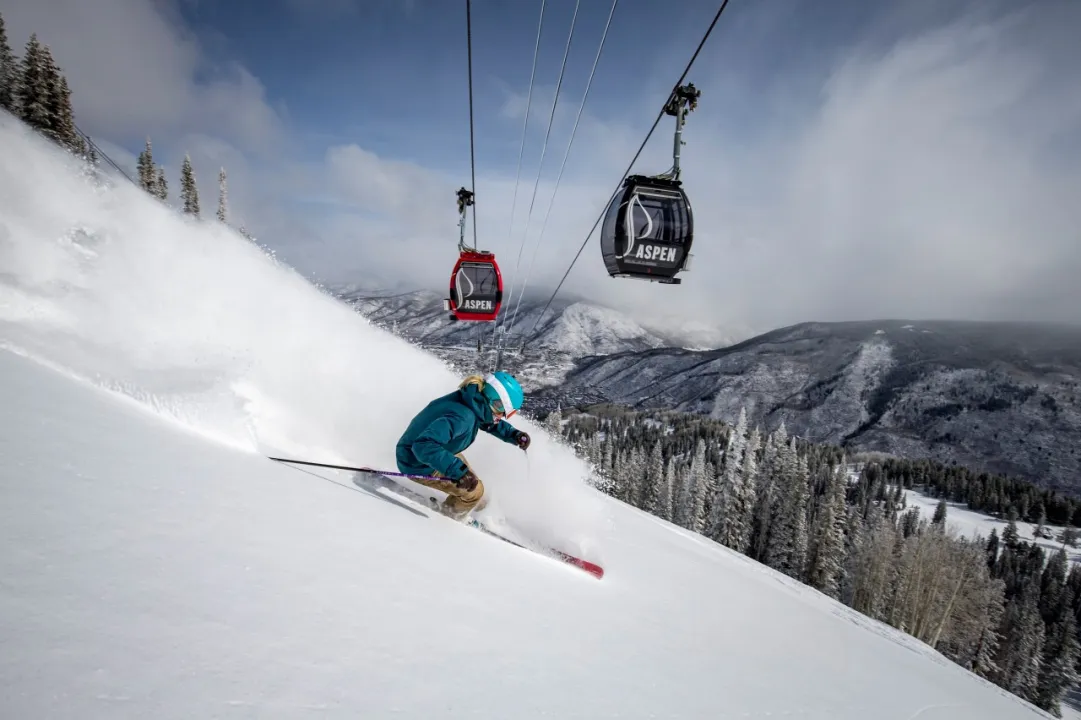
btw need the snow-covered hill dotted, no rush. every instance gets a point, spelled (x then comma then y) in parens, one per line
(155, 564)
(1003, 397)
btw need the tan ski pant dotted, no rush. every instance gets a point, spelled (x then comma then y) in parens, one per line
(459, 501)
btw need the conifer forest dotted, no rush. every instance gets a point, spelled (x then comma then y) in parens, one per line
(1003, 608)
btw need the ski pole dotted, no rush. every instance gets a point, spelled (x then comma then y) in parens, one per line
(357, 469)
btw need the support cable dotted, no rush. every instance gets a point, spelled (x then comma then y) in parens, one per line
(544, 149)
(559, 177)
(521, 151)
(661, 114)
(472, 155)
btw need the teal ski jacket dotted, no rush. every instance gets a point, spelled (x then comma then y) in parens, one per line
(447, 426)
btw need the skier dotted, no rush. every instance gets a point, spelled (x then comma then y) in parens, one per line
(435, 439)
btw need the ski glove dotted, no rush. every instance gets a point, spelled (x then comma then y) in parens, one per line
(521, 439)
(468, 482)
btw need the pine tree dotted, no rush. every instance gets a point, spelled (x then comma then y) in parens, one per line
(766, 494)
(992, 548)
(797, 561)
(1053, 587)
(1010, 536)
(827, 550)
(9, 73)
(701, 485)
(32, 90)
(161, 187)
(145, 168)
(940, 514)
(1057, 666)
(726, 523)
(1021, 649)
(222, 201)
(61, 114)
(1041, 529)
(656, 487)
(189, 193)
(666, 510)
(747, 500)
(787, 546)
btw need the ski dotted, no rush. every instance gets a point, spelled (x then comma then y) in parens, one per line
(432, 503)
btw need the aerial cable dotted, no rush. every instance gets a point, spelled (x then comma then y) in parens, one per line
(574, 130)
(521, 151)
(472, 154)
(544, 147)
(656, 122)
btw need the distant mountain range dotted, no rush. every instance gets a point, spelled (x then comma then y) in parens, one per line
(571, 329)
(1001, 397)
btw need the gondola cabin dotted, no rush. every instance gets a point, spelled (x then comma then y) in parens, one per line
(647, 230)
(476, 287)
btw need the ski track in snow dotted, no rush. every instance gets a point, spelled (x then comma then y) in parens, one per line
(155, 565)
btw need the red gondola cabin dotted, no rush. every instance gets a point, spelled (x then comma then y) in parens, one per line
(476, 287)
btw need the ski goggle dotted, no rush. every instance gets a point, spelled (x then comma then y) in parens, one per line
(497, 406)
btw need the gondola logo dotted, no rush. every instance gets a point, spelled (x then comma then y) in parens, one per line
(628, 225)
(646, 252)
(478, 305)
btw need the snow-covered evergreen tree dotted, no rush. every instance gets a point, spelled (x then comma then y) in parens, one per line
(683, 502)
(1021, 649)
(161, 186)
(787, 546)
(801, 498)
(9, 72)
(725, 523)
(669, 490)
(767, 491)
(1058, 664)
(145, 169)
(746, 501)
(61, 115)
(32, 88)
(655, 482)
(939, 517)
(222, 196)
(189, 193)
(701, 484)
(827, 549)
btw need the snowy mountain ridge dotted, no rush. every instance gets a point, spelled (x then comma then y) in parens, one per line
(1004, 397)
(571, 329)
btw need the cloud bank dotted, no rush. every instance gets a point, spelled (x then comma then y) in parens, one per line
(922, 168)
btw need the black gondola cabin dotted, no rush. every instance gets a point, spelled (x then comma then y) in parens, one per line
(647, 230)
(476, 287)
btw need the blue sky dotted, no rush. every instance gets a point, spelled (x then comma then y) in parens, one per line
(394, 74)
(847, 160)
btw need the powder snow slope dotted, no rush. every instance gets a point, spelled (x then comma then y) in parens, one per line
(154, 564)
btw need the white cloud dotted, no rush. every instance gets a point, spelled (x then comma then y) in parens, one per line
(933, 176)
(135, 69)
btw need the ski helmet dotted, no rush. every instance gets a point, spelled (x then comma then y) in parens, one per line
(503, 391)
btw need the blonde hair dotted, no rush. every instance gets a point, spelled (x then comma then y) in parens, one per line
(477, 380)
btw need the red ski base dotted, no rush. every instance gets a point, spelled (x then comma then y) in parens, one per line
(592, 568)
